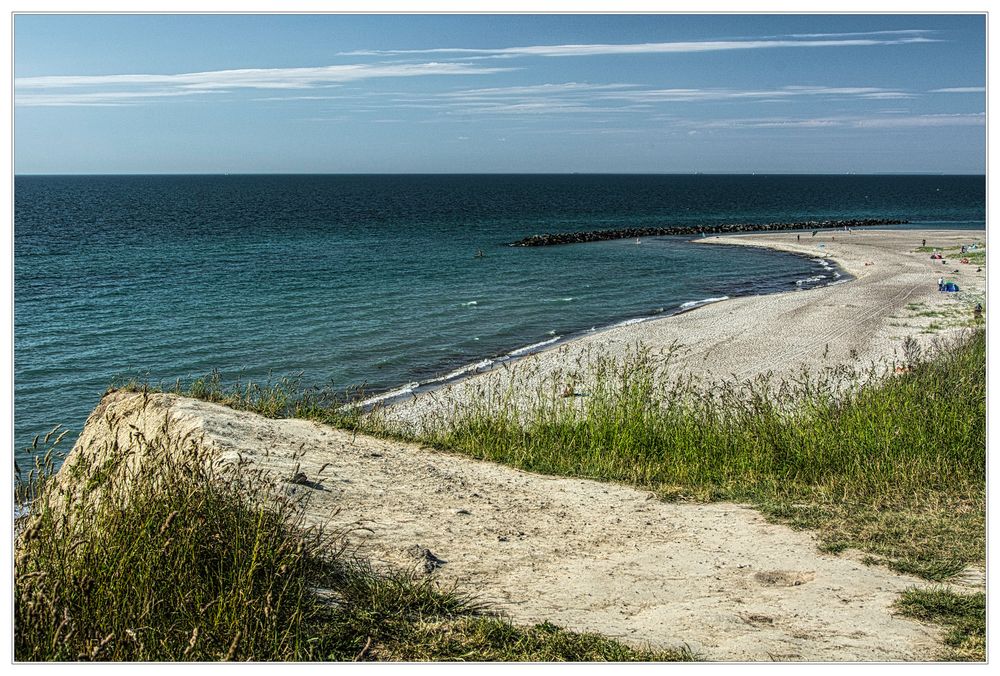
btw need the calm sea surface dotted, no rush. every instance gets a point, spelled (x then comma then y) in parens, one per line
(351, 280)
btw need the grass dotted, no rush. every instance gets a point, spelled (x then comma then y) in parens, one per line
(174, 559)
(894, 467)
(281, 398)
(975, 257)
(964, 616)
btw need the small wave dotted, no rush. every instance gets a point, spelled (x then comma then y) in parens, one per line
(531, 348)
(468, 368)
(630, 322)
(567, 299)
(703, 301)
(391, 394)
(471, 302)
(839, 281)
(550, 333)
(810, 280)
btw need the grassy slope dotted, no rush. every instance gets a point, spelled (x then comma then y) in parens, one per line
(182, 563)
(896, 468)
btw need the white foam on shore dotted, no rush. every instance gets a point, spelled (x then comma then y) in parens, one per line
(530, 348)
(391, 394)
(703, 301)
(628, 322)
(810, 280)
(469, 368)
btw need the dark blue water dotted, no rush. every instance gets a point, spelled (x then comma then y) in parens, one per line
(353, 280)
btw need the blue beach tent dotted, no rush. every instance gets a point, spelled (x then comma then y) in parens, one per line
(950, 287)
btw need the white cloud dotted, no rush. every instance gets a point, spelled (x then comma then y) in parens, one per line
(942, 120)
(911, 31)
(906, 37)
(135, 86)
(100, 98)
(781, 93)
(544, 89)
(959, 90)
(575, 97)
(855, 122)
(260, 78)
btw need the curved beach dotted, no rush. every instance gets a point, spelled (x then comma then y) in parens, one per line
(894, 295)
(603, 557)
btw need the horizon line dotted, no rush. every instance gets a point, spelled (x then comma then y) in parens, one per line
(508, 173)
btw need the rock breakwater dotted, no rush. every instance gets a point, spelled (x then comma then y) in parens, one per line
(695, 230)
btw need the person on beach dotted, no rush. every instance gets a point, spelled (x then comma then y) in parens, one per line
(798, 238)
(940, 283)
(923, 243)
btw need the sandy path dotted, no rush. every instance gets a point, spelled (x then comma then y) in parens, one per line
(585, 555)
(859, 322)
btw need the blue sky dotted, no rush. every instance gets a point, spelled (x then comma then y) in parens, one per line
(499, 93)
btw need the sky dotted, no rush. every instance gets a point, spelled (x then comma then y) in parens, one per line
(719, 93)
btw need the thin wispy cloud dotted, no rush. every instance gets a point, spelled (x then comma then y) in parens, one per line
(940, 120)
(905, 31)
(539, 89)
(680, 47)
(851, 122)
(959, 90)
(574, 97)
(136, 86)
(681, 95)
(101, 98)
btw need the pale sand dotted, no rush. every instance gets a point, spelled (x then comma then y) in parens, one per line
(585, 555)
(858, 322)
(602, 557)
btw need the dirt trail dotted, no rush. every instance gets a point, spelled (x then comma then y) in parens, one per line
(585, 555)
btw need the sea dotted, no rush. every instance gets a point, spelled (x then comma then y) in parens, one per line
(384, 284)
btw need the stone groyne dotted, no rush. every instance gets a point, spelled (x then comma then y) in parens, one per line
(693, 230)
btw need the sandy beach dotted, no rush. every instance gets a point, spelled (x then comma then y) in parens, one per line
(602, 557)
(863, 321)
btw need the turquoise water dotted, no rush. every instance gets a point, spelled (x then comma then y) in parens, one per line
(372, 280)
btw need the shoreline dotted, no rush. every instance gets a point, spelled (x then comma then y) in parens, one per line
(847, 321)
(486, 364)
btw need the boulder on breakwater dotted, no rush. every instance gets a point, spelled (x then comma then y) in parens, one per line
(694, 230)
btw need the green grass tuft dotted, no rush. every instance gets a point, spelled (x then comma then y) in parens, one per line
(964, 615)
